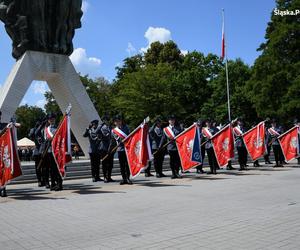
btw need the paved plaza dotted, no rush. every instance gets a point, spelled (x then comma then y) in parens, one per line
(255, 209)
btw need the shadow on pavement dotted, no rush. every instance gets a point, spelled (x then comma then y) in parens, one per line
(88, 189)
(158, 184)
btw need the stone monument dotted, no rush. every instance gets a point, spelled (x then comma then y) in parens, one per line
(42, 33)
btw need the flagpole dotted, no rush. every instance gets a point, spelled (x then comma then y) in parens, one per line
(226, 67)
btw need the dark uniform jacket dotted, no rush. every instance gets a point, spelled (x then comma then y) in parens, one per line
(273, 136)
(37, 141)
(239, 142)
(118, 140)
(94, 135)
(155, 134)
(172, 145)
(42, 135)
(105, 137)
(212, 130)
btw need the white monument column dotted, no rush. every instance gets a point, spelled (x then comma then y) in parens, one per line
(64, 83)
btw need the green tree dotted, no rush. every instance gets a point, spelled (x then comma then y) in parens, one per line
(274, 87)
(28, 116)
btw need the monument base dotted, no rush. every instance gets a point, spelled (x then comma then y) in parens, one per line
(64, 83)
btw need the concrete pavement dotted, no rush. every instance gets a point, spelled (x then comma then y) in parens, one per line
(255, 209)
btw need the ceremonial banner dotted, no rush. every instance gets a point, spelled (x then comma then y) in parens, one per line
(223, 144)
(138, 150)
(254, 140)
(289, 144)
(189, 147)
(10, 166)
(61, 145)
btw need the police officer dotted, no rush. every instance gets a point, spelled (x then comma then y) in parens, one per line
(120, 132)
(93, 132)
(2, 127)
(275, 131)
(105, 148)
(47, 131)
(203, 142)
(156, 134)
(267, 142)
(208, 131)
(36, 153)
(170, 132)
(238, 132)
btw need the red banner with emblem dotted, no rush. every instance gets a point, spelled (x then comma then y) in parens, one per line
(189, 148)
(223, 144)
(254, 140)
(289, 144)
(61, 145)
(138, 150)
(10, 166)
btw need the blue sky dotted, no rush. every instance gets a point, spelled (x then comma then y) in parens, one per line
(115, 29)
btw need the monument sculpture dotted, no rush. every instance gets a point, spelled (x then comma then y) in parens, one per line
(43, 25)
(42, 32)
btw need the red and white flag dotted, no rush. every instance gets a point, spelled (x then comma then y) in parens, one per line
(10, 166)
(289, 144)
(254, 140)
(61, 145)
(223, 39)
(189, 147)
(138, 150)
(223, 144)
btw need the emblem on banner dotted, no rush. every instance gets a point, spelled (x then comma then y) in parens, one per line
(225, 144)
(137, 148)
(258, 143)
(6, 157)
(293, 142)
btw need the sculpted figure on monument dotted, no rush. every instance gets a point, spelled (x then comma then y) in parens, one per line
(43, 25)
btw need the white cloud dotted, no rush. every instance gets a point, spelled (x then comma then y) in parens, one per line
(85, 6)
(85, 64)
(40, 87)
(158, 34)
(131, 50)
(41, 103)
(184, 52)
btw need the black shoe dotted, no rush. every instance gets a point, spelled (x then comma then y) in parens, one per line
(123, 182)
(229, 168)
(162, 175)
(54, 188)
(209, 172)
(179, 176)
(106, 180)
(3, 193)
(110, 179)
(94, 179)
(129, 182)
(148, 175)
(98, 179)
(40, 184)
(47, 185)
(174, 176)
(158, 176)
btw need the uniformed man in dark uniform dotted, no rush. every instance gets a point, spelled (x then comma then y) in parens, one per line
(47, 131)
(2, 127)
(93, 132)
(268, 143)
(104, 148)
(120, 132)
(156, 134)
(208, 131)
(169, 134)
(238, 132)
(36, 153)
(275, 131)
(203, 141)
